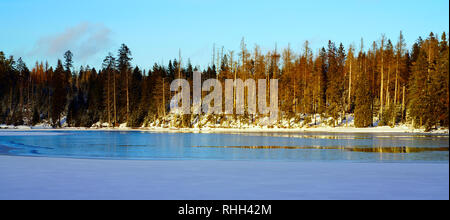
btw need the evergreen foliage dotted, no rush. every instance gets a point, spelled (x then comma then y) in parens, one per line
(409, 85)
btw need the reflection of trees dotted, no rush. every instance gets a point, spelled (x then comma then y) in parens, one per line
(403, 149)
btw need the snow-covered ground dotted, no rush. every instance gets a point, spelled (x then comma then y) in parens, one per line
(63, 178)
(227, 123)
(236, 126)
(381, 129)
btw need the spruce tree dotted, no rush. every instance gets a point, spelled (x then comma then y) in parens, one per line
(58, 98)
(363, 101)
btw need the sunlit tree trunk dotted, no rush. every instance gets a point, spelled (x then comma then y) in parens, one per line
(382, 79)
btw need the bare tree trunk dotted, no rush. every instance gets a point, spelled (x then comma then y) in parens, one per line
(350, 87)
(395, 94)
(164, 100)
(381, 92)
(108, 102)
(48, 101)
(114, 99)
(21, 94)
(304, 85)
(10, 100)
(396, 85)
(382, 87)
(295, 101)
(388, 98)
(29, 103)
(128, 97)
(234, 98)
(319, 98)
(403, 103)
(305, 76)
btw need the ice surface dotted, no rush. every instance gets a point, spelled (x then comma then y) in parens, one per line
(62, 178)
(31, 133)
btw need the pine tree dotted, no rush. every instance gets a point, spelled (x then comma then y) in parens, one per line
(68, 63)
(109, 68)
(406, 85)
(399, 68)
(363, 111)
(335, 89)
(124, 67)
(425, 84)
(58, 99)
(323, 81)
(442, 82)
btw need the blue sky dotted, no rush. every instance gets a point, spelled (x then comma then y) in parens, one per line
(155, 31)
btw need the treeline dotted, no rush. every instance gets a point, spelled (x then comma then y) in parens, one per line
(386, 84)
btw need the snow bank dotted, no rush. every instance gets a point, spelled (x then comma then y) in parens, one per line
(61, 178)
(226, 123)
(21, 127)
(24, 133)
(297, 123)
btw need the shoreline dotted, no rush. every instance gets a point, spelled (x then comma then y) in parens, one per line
(379, 130)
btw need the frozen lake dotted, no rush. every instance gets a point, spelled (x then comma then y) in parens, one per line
(145, 165)
(139, 145)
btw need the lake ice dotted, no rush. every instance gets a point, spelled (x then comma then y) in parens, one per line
(146, 165)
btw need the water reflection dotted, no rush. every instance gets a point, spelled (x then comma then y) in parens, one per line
(247, 146)
(344, 136)
(368, 149)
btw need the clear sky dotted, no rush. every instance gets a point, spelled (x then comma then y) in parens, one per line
(156, 30)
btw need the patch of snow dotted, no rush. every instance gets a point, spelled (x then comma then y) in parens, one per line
(42, 126)
(64, 122)
(24, 133)
(64, 178)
